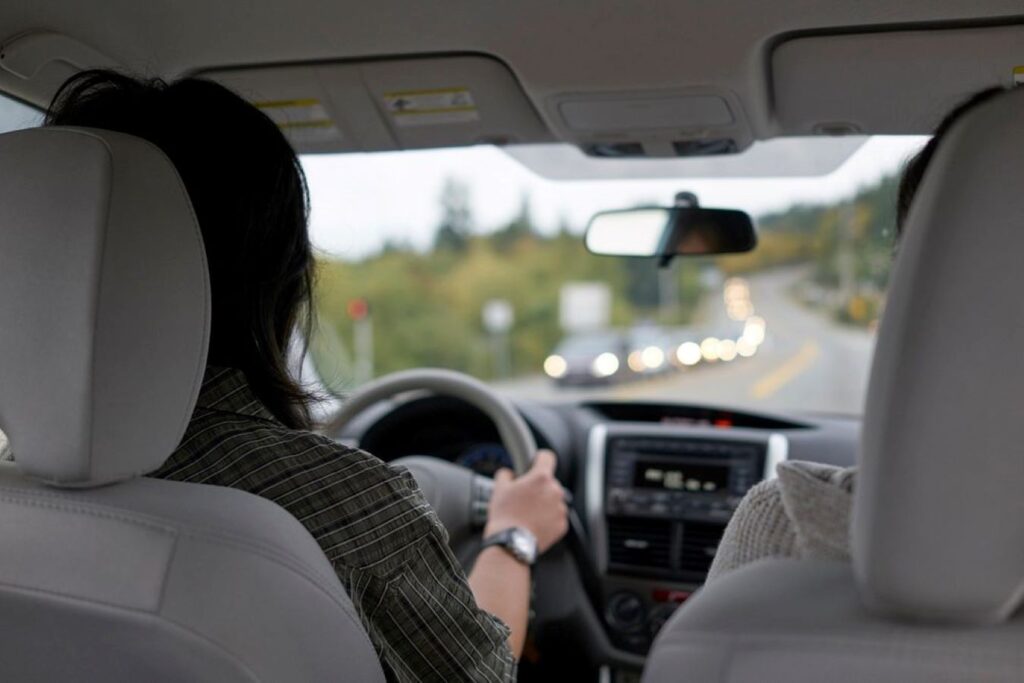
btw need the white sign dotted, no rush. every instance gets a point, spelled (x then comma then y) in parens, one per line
(585, 306)
(498, 316)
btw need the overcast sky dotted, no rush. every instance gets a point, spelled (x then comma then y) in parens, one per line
(361, 200)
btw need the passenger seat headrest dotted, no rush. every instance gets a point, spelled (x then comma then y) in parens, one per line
(938, 528)
(104, 305)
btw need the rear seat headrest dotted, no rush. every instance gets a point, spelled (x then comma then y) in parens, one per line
(104, 305)
(939, 505)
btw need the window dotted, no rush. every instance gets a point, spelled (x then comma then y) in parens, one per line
(465, 259)
(15, 115)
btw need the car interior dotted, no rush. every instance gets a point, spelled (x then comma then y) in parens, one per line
(660, 429)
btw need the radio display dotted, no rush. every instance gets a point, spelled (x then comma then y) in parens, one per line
(650, 474)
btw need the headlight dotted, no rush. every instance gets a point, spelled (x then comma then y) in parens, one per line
(709, 348)
(754, 329)
(727, 350)
(689, 353)
(745, 347)
(555, 366)
(605, 365)
(653, 357)
(635, 361)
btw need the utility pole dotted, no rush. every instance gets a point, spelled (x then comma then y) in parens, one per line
(846, 264)
(362, 340)
(498, 318)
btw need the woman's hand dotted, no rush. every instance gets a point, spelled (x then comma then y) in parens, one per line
(534, 501)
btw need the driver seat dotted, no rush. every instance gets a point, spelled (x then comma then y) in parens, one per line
(936, 584)
(106, 575)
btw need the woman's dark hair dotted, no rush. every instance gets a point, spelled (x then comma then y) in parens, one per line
(913, 171)
(249, 195)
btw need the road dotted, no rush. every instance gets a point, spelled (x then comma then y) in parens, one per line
(807, 362)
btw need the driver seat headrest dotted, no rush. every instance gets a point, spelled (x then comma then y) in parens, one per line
(105, 303)
(938, 527)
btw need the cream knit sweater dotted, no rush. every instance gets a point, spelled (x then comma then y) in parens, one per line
(805, 512)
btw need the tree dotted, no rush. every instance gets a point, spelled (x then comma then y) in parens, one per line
(519, 228)
(456, 217)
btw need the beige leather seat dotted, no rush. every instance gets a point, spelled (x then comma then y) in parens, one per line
(104, 318)
(934, 593)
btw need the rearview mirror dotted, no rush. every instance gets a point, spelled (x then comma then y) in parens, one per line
(669, 232)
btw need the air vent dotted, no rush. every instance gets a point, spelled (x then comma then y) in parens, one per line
(700, 541)
(705, 148)
(614, 150)
(649, 547)
(640, 544)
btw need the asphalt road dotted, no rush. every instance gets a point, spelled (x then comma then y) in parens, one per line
(807, 362)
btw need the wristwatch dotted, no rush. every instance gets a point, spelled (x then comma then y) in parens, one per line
(520, 543)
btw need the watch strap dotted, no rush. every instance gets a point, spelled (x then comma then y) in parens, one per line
(505, 539)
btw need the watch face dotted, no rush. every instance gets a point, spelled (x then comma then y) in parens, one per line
(524, 545)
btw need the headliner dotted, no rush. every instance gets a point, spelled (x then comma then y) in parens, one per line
(552, 47)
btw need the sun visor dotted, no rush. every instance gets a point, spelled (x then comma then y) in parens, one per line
(391, 104)
(34, 64)
(903, 83)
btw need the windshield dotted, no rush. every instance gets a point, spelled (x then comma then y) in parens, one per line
(465, 259)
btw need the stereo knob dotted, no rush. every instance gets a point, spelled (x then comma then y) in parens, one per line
(625, 611)
(659, 616)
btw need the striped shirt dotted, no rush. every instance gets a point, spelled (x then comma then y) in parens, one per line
(386, 544)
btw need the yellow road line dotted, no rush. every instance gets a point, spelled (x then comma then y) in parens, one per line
(787, 372)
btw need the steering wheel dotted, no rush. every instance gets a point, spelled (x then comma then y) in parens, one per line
(458, 495)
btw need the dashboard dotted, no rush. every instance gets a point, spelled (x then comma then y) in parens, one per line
(653, 484)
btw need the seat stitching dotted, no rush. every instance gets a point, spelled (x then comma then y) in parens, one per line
(314, 576)
(156, 615)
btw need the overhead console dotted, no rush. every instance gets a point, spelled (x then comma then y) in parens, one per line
(391, 104)
(816, 92)
(673, 123)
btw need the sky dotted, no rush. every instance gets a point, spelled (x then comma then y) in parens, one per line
(360, 201)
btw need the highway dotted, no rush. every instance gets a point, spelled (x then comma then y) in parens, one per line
(807, 362)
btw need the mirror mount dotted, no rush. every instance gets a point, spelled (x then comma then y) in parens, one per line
(682, 200)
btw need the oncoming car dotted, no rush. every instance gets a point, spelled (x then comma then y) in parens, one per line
(588, 358)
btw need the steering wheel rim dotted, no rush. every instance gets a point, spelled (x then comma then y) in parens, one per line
(512, 428)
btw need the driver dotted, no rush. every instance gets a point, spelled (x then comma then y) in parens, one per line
(251, 426)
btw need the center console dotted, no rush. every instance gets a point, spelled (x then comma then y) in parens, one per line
(658, 499)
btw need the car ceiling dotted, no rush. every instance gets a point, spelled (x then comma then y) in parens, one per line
(568, 46)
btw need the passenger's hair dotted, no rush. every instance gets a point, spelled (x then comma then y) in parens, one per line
(914, 170)
(250, 198)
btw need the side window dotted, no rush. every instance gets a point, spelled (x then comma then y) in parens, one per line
(15, 115)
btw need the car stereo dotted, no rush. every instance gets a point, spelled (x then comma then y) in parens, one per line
(658, 500)
(680, 479)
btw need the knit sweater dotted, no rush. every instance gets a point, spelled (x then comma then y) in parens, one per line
(804, 512)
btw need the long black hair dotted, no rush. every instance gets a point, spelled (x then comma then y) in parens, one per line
(250, 197)
(914, 170)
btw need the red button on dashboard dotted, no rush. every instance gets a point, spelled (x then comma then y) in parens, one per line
(666, 595)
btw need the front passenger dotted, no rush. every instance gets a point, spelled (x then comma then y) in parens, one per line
(805, 512)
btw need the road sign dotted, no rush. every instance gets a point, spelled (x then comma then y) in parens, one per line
(498, 316)
(585, 306)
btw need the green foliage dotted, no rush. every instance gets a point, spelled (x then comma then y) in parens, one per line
(848, 245)
(426, 307)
